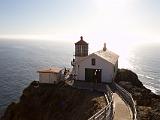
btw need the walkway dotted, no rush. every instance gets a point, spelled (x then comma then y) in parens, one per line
(88, 85)
(122, 112)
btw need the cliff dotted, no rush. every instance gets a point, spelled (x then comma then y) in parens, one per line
(148, 103)
(62, 102)
(55, 102)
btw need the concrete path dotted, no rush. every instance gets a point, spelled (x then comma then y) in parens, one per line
(122, 112)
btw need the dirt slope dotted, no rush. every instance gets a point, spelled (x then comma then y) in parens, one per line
(55, 102)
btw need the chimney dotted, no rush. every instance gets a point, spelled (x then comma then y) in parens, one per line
(104, 47)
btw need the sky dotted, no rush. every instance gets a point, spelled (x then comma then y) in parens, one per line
(115, 22)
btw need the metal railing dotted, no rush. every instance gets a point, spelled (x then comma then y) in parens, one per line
(127, 97)
(102, 114)
(105, 113)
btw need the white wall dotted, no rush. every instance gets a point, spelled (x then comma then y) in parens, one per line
(48, 77)
(44, 77)
(106, 67)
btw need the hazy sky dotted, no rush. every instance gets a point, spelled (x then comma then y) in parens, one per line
(122, 21)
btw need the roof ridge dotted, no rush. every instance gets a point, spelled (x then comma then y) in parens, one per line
(81, 42)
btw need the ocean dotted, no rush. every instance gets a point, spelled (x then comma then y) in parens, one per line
(20, 60)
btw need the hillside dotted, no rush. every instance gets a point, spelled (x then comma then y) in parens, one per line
(148, 103)
(55, 102)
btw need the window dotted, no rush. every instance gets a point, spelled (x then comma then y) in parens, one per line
(93, 61)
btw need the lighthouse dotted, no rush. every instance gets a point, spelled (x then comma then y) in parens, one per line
(98, 67)
(81, 49)
(81, 52)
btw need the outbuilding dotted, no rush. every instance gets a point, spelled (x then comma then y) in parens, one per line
(50, 75)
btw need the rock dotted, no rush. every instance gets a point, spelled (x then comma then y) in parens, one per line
(143, 112)
(148, 103)
(128, 75)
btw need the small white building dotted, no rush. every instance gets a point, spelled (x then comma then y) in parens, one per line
(98, 67)
(50, 75)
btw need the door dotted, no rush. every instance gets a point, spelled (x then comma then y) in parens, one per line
(93, 75)
(89, 75)
(97, 77)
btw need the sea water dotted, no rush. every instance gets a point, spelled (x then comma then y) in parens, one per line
(145, 61)
(20, 60)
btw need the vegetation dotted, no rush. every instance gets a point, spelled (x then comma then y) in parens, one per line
(55, 102)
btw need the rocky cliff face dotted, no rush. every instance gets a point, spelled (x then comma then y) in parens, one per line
(62, 102)
(148, 103)
(55, 102)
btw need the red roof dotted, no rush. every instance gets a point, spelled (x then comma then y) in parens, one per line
(50, 70)
(81, 42)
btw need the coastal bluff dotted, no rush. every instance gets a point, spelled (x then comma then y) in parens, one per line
(55, 102)
(147, 103)
(63, 102)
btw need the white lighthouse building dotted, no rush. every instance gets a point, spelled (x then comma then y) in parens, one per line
(98, 67)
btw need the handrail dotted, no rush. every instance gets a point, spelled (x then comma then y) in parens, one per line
(106, 112)
(99, 113)
(127, 97)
